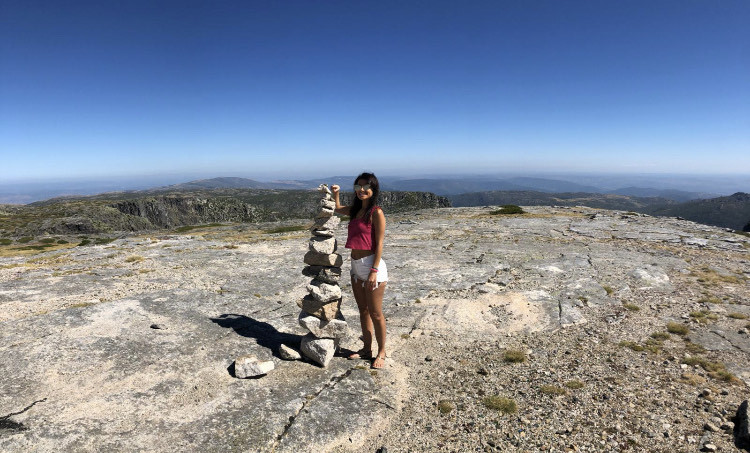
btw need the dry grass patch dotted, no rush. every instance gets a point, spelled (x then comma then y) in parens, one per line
(631, 307)
(703, 316)
(716, 370)
(710, 277)
(445, 406)
(500, 403)
(514, 356)
(692, 379)
(608, 289)
(677, 328)
(549, 389)
(134, 259)
(737, 315)
(575, 384)
(632, 345)
(661, 336)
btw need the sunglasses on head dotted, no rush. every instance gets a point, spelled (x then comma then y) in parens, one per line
(365, 187)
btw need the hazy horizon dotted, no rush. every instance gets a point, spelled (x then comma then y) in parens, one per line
(29, 191)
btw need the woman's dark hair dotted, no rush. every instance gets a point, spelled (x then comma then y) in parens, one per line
(372, 180)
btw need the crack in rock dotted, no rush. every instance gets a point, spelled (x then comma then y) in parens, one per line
(329, 385)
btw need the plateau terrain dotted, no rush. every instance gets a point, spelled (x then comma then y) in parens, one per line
(561, 329)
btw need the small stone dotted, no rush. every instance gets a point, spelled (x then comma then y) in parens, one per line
(158, 326)
(742, 331)
(324, 292)
(322, 245)
(323, 232)
(708, 447)
(250, 366)
(322, 259)
(710, 427)
(287, 353)
(324, 213)
(326, 223)
(706, 393)
(727, 426)
(335, 328)
(319, 350)
(428, 359)
(327, 204)
(322, 310)
(483, 371)
(326, 274)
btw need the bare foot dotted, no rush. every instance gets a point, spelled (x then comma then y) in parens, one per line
(379, 362)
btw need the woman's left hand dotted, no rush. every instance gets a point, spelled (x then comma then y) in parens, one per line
(372, 281)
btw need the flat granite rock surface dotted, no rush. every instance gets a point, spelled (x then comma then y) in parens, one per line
(607, 331)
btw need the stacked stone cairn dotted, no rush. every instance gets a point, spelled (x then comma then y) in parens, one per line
(321, 308)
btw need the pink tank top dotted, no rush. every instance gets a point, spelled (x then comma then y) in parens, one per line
(360, 234)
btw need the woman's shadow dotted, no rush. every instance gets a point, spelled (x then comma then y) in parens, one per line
(265, 334)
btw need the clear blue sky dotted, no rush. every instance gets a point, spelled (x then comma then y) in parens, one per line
(295, 88)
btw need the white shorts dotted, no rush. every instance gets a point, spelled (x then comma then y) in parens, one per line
(361, 269)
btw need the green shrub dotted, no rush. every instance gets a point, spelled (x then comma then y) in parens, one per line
(62, 241)
(508, 209)
(84, 242)
(25, 239)
(661, 336)
(47, 240)
(5, 241)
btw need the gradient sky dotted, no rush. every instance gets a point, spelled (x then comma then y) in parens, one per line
(316, 88)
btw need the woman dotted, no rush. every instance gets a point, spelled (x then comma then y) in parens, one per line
(369, 273)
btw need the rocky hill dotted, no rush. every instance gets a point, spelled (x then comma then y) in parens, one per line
(732, 211)
(563, 329)
(139, 211)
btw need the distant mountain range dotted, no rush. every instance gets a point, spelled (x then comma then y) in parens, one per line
(727, 211)
(444, 186)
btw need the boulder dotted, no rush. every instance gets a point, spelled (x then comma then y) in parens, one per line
(323, 259)
(323, 245)
(327, 204)
(323, 273)
(335, 328)
(323, 310)
(324, 292)
(328, 233)
(319, 350)
(250, 366)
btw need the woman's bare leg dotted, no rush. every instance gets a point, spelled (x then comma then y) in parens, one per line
(375, 308)
(360, 295)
